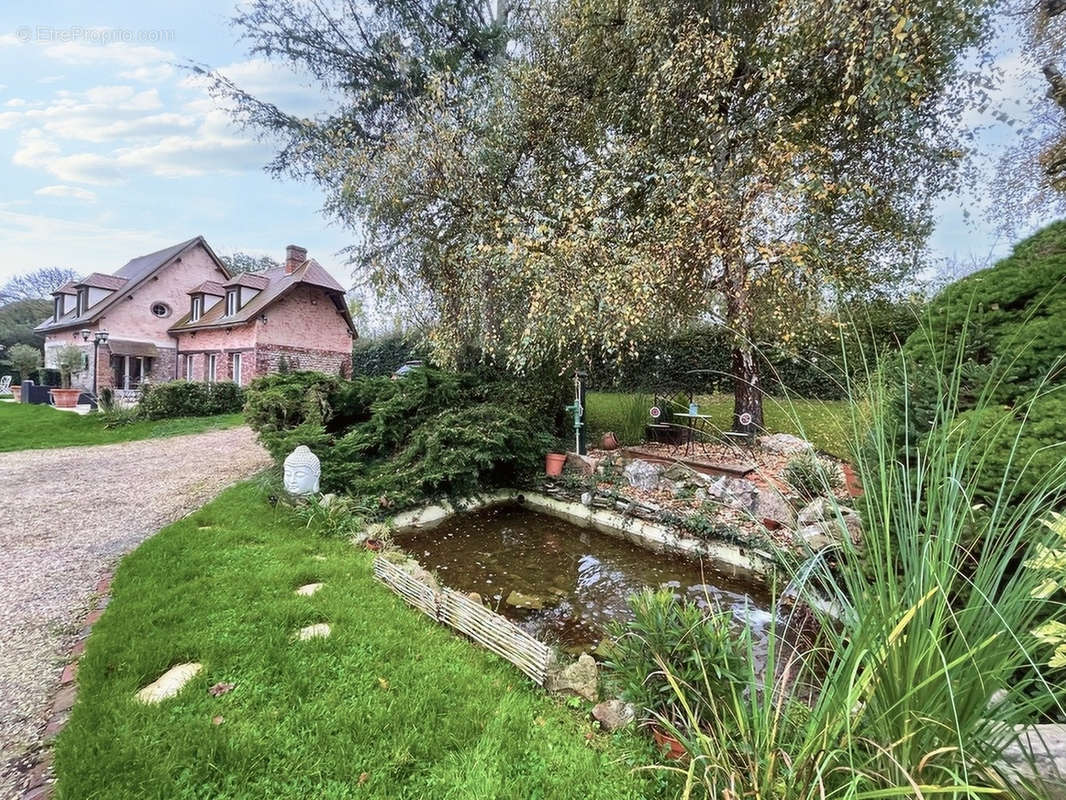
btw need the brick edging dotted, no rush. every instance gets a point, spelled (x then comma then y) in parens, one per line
(40, 781)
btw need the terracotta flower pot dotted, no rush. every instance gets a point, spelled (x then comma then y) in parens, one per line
(373, 545)
(670, 746)
(609, 441)
(553, 463)
(65, 398)
(16, 392)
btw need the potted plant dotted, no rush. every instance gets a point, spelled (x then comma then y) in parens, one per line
(26, 359)
(70, 360)
(553, 464)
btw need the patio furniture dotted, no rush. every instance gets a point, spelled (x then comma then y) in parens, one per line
(5, 385)
(693, 420)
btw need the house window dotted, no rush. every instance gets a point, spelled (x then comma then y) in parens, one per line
(237, 368)
(212, 368)
(188, 368)
(58, 307)
(197, 308)
(231, 303)
(82, 304)
(161, 310)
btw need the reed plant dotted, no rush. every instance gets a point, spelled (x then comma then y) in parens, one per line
(928, 670)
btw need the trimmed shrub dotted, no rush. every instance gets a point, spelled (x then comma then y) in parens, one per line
(189, 399)
(397, 442)
(999, 334)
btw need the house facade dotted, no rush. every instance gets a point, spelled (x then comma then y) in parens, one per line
(179, 313)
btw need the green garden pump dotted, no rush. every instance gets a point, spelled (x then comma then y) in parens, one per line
(578, 410)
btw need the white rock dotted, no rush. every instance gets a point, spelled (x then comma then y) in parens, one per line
(643, 474)
(318, 631)
(308, 589)
(784, 443)
(169, 683)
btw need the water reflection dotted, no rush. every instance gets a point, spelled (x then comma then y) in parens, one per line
(566, 583)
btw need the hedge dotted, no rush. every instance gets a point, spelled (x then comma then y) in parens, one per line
(189, 399)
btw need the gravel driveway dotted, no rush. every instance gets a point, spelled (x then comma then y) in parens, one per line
(68, 516)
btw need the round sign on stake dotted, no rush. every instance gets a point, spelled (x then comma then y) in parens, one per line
(655, 412)
(745, 419)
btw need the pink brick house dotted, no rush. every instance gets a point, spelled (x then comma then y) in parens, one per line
(178, 313)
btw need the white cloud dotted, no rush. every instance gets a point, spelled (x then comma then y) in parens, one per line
(73, 192)
(9, 40)
(37, 240)
(154, 73)
(15, 102)
(51, 78)
(119, 53)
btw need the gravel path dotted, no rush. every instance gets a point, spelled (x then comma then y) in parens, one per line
(68, 516)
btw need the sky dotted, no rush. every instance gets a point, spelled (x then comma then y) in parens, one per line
(109, 149)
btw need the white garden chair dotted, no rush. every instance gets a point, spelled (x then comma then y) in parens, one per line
(5, 385)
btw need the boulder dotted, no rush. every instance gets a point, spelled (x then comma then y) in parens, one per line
(586, 465)
(771, 505)
(521, 600)
(829, 514)
(733, 492)
(643, 474)
(784, 443)
(614, 715)
(580, 678)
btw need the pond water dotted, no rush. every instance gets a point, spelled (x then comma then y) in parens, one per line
(565, 583)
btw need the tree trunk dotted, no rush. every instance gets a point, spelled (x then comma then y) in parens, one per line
(747, 389)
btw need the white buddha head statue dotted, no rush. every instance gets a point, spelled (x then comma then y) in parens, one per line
(302, 471)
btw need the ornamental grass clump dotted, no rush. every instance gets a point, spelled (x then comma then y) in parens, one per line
(929, 669)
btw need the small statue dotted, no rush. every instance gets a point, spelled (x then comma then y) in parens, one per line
(302, 471)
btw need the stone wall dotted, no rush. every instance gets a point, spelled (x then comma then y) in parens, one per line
(267, 358)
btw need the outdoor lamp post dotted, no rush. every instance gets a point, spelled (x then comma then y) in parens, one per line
(99, 337)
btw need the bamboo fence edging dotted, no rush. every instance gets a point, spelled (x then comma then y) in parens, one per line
(454, 609)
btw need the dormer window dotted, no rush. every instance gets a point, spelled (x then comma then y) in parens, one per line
(82, 304)
(57, 311)
(232, 304)
(197, 308)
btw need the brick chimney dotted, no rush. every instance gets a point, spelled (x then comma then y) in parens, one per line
(294, 257)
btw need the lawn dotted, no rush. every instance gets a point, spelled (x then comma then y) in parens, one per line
(825, 423)
(390, 706)
(37, 427)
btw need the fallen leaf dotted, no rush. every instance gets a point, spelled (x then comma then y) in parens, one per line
(221, 688)
(217, 720)
(540, 721)
(384, 684)
(363, 777)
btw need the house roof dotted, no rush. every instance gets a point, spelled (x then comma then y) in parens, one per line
(135, 272)
(253, 280)
(66, 288)
(99, 280)
(209, 287)
(277, 283)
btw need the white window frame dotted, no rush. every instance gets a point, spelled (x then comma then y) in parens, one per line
(57, 307)
(212, 368)
(197, 308)
(188, 367)
(82, 302)
(232, 303)
(235, 371)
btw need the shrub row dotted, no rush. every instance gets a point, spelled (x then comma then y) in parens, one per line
(189, 399)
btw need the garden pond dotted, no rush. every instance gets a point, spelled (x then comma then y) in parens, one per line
(564, 583)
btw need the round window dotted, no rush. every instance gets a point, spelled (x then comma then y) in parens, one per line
(161, 309)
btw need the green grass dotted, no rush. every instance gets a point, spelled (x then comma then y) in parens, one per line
(825, 423)
(424, 713)
(33, 427)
